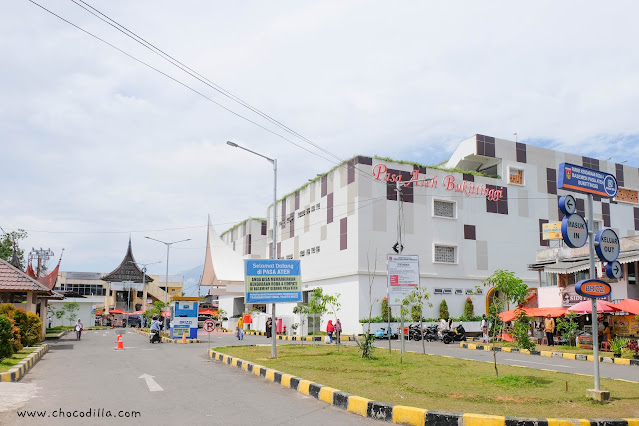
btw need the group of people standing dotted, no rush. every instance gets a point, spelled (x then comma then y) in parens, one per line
(333, 329)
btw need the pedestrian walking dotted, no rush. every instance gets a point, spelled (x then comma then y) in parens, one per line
(78, 329)
(50, 321)
(269, 325)
(549, 328)
(330, 328)
(338, 331)
(484, 328)
(239, 329)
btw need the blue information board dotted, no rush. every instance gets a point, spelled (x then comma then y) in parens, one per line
(581, 179)
(272, 281)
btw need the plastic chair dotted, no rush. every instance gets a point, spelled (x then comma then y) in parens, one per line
(544, 341)
(605, 346)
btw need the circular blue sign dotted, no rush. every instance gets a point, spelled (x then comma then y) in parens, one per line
(610, 186)
(567, 204)
(607, 245)
(574, 230)
(614, 270)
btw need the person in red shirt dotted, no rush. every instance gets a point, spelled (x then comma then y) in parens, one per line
(330, 328)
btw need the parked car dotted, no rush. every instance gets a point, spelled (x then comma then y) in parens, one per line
(134, 321)
(201, 319)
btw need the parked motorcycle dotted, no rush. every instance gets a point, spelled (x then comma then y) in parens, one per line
(431, 334)
(155, 336)
(415, 333)
(383, 334)
(458, 334)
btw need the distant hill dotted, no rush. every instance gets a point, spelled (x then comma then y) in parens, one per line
(191, 280)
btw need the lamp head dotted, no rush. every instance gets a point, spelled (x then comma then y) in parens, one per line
(233, 144)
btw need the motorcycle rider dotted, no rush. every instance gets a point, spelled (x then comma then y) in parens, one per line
(155, 327)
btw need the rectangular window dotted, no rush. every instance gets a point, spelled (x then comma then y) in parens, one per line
(312, 250)
(263, 228)
(317, 206)
(313, 208)
(591, 163)
(329, 208)
(350, 171)
(445, 254)
(391, 187)
(343, 234)
(515, 176)
(289, 257)
(324, 180)
(485, 145)
(581, 206)
(302, 253)
(443, 209)
(302, 213)
(499, 206)
(551, 181)
(605, 214)
(619, 174)
(297, 200)
(317, 249)
(521, 152)
(632, 274)
(542, 242)
(469, 232)
(551, 280)
(448, 291)
(439, 291)
(459, 291)
(308, 252)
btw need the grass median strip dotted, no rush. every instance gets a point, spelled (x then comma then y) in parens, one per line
(447, 384)
(8, 363)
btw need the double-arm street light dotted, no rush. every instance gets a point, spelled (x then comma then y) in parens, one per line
(274, 251)
(168, 245)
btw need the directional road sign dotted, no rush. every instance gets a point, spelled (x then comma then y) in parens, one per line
(614, 270)
(607, 245)
(209, 326)
(567, 204)
(574, 230)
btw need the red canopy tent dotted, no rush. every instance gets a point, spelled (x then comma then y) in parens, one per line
(585, 307)
(532, 312)
(116, 311)
(628, 305)
(207, 311)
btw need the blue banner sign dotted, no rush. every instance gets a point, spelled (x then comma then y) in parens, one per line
(581, 179)
(272, 281)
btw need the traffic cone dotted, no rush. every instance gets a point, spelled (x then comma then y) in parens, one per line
(184, 337)
(120, 342)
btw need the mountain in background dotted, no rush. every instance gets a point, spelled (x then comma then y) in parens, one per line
(191, 280)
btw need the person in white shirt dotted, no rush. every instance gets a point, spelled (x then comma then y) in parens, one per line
(78, 329)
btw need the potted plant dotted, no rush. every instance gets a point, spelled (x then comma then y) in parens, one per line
(633, 347)
(617, 344)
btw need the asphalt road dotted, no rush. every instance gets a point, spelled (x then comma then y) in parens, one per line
(91, 377)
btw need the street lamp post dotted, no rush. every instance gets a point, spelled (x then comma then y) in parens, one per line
(274, 251)
(166, 285)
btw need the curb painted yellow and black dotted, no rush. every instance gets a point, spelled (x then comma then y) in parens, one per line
(20, 370)
(401, 414)
(551, 354)
(165, 339)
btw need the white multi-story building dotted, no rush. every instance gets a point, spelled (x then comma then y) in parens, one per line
(481, 211)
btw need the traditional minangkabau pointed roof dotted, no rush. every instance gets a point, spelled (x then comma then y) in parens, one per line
(52, 278)
(222, 265)
(127, 271)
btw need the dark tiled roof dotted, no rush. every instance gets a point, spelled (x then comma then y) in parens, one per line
(12, 279)
(127, 271)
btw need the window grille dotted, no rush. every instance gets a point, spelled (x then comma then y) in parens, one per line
(444, 209)
(445, 254)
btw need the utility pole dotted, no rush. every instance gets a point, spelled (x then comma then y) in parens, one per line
(42, 255)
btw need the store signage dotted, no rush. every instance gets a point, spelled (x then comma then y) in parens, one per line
(594, 289)
(574, 230)
(626, 195)
(569, 297)
(567, 204)
(403, 276)
(589, 181)
(126, 286)
(607, 245)
(614, 270)
(272, 281)
(552, 231)
(448, 182)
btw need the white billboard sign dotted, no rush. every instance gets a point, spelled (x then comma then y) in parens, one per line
(403, 276)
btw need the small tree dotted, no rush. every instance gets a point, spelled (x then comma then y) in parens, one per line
(302, 311)
(417, 298)
(386, 312)
(70, 308)
(321, 303)
(521, 327)
(59, 313)
(443, 310)
(568, 326)
(511, 290)
(469, 309)
(6, 337)
(366, 345)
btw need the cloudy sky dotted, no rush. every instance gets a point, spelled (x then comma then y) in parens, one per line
(96, 146)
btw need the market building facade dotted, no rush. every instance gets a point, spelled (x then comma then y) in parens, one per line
(483, 210)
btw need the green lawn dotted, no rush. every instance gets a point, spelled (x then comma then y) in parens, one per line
(8, 363)
(447, 384)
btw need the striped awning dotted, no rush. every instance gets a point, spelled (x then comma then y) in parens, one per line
(567, 267)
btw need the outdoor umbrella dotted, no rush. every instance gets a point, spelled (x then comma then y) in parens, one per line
(629, 305)
(585, 307)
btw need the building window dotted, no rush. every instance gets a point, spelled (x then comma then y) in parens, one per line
(443, 209)
(302, 252)
(581, 206)
(619, 173)
(445, 254)
(542, 242)
(605, 213)
(500, 205)
(591, 163)
(485, 145)
(459, 291)
(515, 176)
(550, 281)
(551, 181)
(469, 232)
(317, 249)
(636, 215)
(632, 274)
(521, 152)
(289, 257)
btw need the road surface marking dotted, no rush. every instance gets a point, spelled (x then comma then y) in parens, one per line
(539, 363)
(152, 384)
